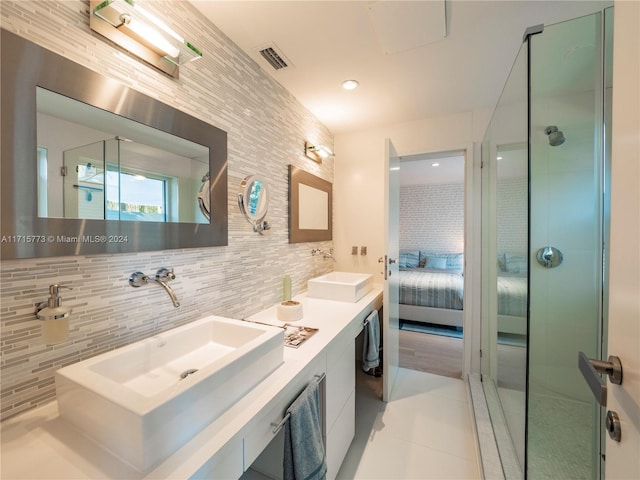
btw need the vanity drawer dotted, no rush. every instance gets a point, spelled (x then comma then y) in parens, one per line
(341, 379)
(340, 436)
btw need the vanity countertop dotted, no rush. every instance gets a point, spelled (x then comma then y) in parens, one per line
(40, 445)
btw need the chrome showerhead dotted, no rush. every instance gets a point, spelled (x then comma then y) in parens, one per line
(556, 137)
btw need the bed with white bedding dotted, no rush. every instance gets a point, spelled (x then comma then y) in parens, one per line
(431, 296)
(432, 291)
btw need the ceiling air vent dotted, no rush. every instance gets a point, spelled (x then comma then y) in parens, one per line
(275, 58)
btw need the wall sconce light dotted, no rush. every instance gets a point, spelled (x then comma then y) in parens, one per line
(141, 33)
(317, 152)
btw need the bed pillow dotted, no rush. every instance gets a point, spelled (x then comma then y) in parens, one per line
(452, 261)
(426, 254)
(439, 263)
(502, 263)
(423, 259)
(455, 261)
(409, 260)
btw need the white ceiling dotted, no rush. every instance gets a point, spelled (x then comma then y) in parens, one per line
(327, 42)
(432, 168)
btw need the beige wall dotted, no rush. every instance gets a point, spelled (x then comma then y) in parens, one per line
(624, 282)
(359, 177)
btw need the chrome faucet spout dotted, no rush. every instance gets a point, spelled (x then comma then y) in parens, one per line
(170, 291)
(325, 255)
(138, 279)
(163, 275)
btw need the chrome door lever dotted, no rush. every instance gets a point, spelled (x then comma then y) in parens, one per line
(613, 368)
(591, 369)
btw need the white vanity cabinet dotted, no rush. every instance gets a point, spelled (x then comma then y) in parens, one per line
(263, 448)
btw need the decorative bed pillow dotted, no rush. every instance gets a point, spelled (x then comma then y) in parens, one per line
(409, 259)
(515, 263)
(442, 261)
(426, 254)
(455, 261)
(502, 263)
(439, 263)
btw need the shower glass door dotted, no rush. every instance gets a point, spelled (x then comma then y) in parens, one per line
(545, 220)
(566, 214)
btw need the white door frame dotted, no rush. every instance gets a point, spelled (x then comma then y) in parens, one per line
(472, 251)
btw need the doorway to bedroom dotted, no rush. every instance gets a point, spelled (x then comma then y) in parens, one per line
(431, 263)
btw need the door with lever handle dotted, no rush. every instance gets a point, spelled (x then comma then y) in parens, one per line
(591, 370)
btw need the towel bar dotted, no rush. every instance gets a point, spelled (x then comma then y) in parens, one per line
(366, 320)
(279, 425)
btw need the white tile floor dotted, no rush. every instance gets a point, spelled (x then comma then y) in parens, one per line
(424, 432)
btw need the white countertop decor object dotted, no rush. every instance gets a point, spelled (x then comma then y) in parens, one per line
(290, 311)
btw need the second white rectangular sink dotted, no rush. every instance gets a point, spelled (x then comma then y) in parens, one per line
(144, 401)
(341, 286)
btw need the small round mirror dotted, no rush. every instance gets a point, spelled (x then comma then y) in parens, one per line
(253, 201)
(204, 197)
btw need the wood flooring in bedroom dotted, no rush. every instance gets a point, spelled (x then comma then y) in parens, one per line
(437, 354)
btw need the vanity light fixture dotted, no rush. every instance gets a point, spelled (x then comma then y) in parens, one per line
(141, 33)
(317, 152)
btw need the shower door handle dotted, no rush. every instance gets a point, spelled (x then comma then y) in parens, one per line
(591, 370)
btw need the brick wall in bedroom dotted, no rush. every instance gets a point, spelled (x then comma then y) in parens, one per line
(511, 212)
(432, 217)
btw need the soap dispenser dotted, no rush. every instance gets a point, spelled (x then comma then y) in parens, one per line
(55, 317)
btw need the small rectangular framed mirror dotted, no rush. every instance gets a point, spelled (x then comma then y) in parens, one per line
(310, 207)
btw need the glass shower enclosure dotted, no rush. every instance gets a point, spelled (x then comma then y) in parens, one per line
(545, 223)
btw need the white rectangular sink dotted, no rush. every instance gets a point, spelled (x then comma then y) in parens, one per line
(341, 286)
(144, 401)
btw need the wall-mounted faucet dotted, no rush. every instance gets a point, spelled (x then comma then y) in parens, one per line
(163, 275)
(325, 255)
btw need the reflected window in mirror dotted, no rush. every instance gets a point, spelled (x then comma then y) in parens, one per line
(150, 176)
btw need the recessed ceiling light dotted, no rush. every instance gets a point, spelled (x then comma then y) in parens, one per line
(350, 84)
(499, 158)
(435, 164)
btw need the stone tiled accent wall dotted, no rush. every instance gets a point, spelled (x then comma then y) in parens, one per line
(266, 129)
(432, 217)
